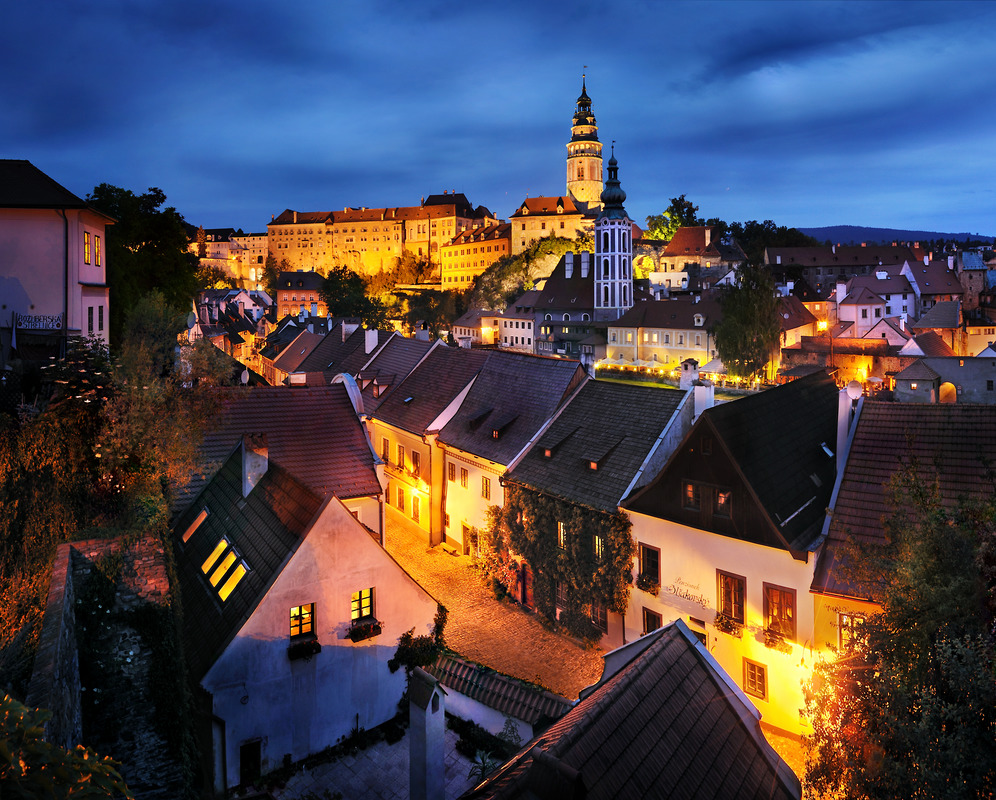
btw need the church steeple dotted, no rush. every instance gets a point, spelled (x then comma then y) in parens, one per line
(584, 156)
(613, 251)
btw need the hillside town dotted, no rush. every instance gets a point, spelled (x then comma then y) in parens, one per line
(580, 514)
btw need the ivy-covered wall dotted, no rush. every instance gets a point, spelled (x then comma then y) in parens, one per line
(528, 527)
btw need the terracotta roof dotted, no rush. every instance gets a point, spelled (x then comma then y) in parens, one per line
(303, 217)
(431, 386)
(616, 424)
(501, 230)
(894, 282)
(936, 278)
(793, 314)
(509, 696)
(931, 344)
(841, 256)
(917, 371)
(513, 396)
(545, 206)
(691, 240)
(335, 354)
(264, 529)
(669, 723)
(952, 445)
(313, 432)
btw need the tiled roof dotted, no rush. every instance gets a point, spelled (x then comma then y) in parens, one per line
(501, 230)
(287, 217)
(691, 240)
(776, 440)
(669, 723)
(861, 296)
(389, 366)
(313, 432)
(507, 695)
(292, 355)
(917, 371)
(617, 422)
(545, 206)
(264, 529)
(936, 278)
(952, 445)
(334, 355)
(931, 344)
(563, 293)
(846, 256)
(23, 185)
(431, 386)
(943, 314)
(514, 395)
(894, 282)
(677, 313)
(793, 314)
(307, 281)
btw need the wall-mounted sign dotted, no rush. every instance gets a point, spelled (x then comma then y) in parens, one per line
(38, 322)
(687, 591)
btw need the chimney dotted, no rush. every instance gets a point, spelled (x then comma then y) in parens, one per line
(426, 737)
(689, 374)
(369, 340)
(778, 260)
(841, 291)
(926, 260)
(584, 263)
(704, 397)
(203, 313)
(255, 458)
(708, 235)
(568, 265)
(295, 218)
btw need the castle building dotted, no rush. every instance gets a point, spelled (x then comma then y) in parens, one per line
(613, 252)
(584, 157)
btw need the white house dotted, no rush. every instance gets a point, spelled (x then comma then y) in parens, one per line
(291, 613)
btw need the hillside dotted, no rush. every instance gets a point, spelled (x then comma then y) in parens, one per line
(856, 234)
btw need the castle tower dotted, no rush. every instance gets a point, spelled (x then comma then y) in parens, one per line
(613, 251)
(584, 157)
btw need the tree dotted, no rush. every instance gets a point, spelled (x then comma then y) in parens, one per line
(201, 242)
(31, 767)
(212, 277)
(681, 213)
(146, 250)
(271, 274)
(749, 330)
(753, 237)
(345, 295)
(909, 708)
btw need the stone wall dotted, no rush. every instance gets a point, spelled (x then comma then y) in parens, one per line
(55, 679)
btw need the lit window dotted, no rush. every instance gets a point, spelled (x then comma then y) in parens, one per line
(486, 488)
(401, 456)
(598, 547)
(416, 463)
(195, 524)
(220, 548)
(691, 496)
(731, 590)
(755, 679)
(86, 247)
(233, 581)
(302, 620)
(721, 503)
(851, 630)
(650, 563)
(561, 536)
(779, 610)
(96, 250)
(463, 477)
(362, 604)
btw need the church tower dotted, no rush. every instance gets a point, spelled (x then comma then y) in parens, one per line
(584, 157)
(613, 251)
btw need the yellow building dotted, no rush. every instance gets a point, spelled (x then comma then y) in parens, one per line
(540, 217)
(660, 334)
(471, 252)
(584, 157)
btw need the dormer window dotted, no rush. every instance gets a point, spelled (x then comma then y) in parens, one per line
(197, 523)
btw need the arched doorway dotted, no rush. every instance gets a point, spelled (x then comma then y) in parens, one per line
(948, 393)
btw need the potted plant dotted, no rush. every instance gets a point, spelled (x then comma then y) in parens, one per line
(776, 641)
(304, 648)
(648, 584)
(728, 625)
(363, 629)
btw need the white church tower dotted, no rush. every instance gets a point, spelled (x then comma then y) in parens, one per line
(613, 251)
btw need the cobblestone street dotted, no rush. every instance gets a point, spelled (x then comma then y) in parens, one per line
(500, 635)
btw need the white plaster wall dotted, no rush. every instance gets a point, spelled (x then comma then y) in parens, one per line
(689, 560)
(299, 707)
(488, 718)
(32, 254)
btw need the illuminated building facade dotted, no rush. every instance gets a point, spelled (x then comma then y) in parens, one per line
(584, 157)
(613, 269)
(471, 252)
(539, 217)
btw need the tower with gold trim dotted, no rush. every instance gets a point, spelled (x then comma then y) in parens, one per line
(584, 157)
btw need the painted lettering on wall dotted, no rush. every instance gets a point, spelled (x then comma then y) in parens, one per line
(39, 322)
(687, 591)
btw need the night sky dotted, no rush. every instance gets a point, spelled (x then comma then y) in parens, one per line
(807, 113)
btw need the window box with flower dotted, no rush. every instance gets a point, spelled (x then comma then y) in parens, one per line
(304, 647)
(728, 625)
(363, 629)
(648, 583)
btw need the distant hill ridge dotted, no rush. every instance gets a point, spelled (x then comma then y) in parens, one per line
(856, 234)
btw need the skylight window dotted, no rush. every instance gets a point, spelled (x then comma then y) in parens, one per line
(220, 563)
(195, 524)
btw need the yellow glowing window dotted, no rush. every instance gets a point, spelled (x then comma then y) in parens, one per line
(195, 524)
(215, 555)
(232, 582)
(302, 620)
(223, 567)
(362, 604)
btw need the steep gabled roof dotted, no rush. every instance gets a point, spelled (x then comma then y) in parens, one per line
(516, 393)
(263, 529)
(313, 432)
(793, 314)
(677, 313)
(544, 206)
(294, 353)
(336, 353)
(23, 185)
(943, 314)
(569, 294)
(431, 386)
(668, 723)
(388, 367)
(691, 240)
(601, 417)
(781, 442)
(931, 344)
(935, 278)
(952, 444)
